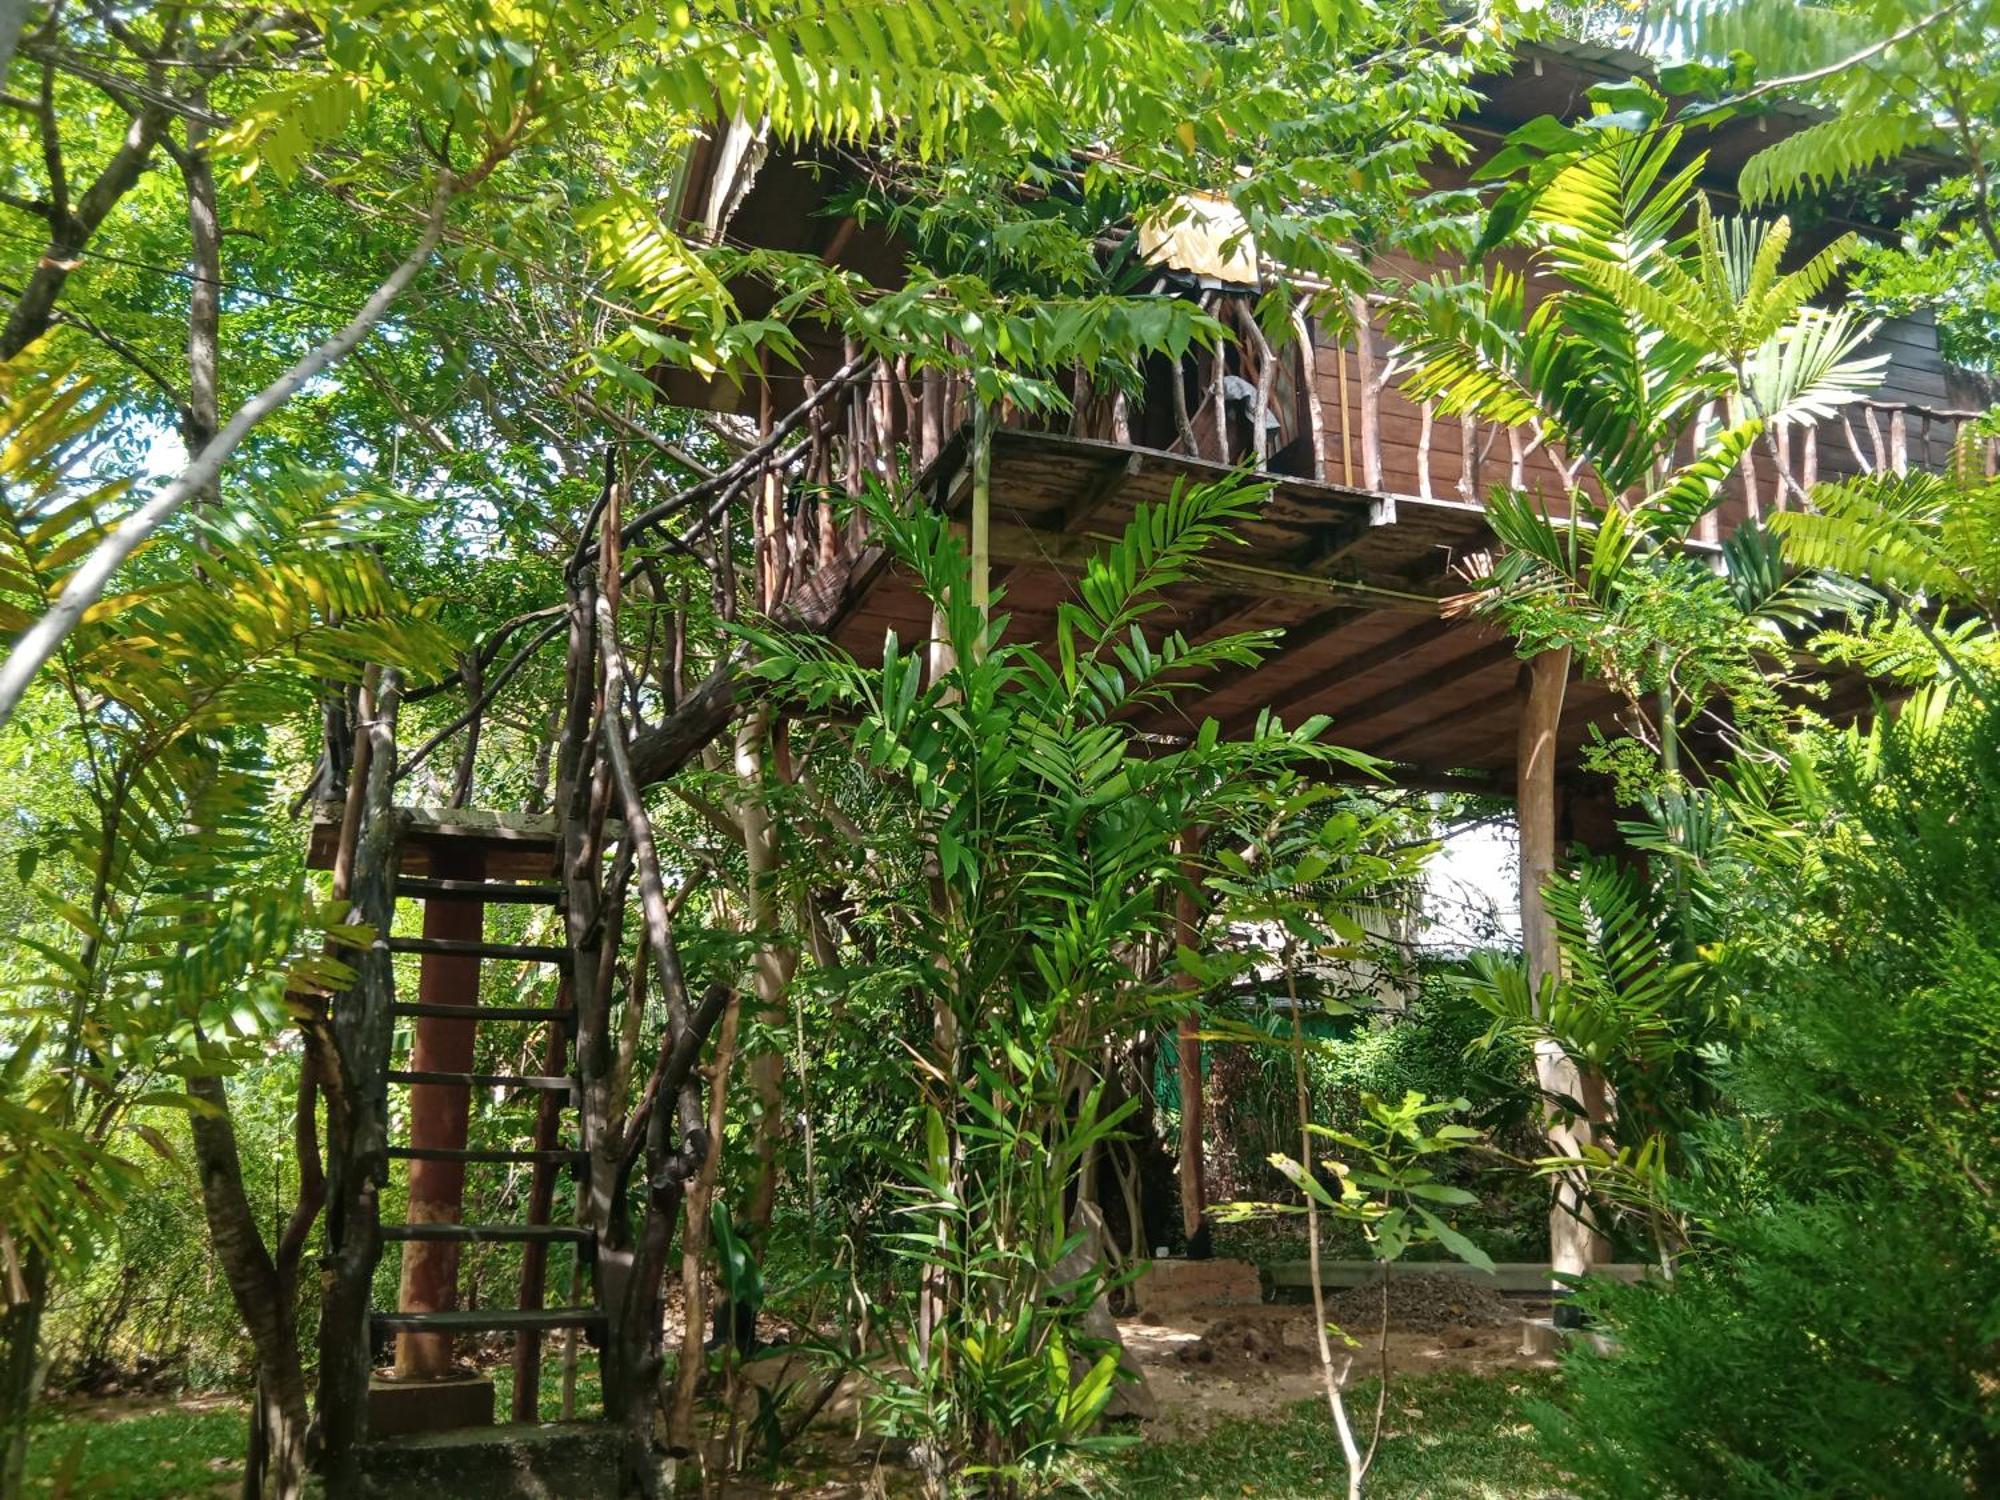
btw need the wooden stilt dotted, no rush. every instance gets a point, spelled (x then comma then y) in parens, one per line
(438, 1115)
(1574, 1243)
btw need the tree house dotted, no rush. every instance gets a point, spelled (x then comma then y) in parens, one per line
(1375, 517)
(1375, 511)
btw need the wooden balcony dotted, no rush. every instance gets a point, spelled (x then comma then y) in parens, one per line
(1374, 516)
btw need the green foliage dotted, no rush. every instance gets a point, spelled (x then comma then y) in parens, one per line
(1050, 834)
(161, 928)
(1431, 1048)
(1931, 537)
(1833, 1331)
(1651, 322)
(1894, 83)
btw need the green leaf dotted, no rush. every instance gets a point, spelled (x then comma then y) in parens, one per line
(1455, 1242)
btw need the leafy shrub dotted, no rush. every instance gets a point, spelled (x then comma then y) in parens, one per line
(1837, 1332)
(1425, 1049)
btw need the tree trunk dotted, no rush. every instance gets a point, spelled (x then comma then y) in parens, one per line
(204, 411)
(357, 1114)
(265, 1299)
(771, 968)
(1193, 1168)
(20, 1367)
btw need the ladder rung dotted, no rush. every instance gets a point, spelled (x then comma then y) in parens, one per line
(565, 1015)
(541, 953)
(447, 1153)
(490, 1234)
(490, 891)
(490, 1319)
(547, 1084)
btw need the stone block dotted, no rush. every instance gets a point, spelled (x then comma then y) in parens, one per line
(1167, 1287)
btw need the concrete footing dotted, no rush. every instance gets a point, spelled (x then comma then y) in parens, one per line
(1544, 1338)
(566, 1459)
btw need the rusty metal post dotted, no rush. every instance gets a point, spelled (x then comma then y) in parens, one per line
(439, 1113)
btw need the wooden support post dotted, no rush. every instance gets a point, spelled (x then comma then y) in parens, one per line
(1193, 1173)
(1573, 1241)
(1371, 394)
(1308, 383)
(439, 1114)
(1424, 450)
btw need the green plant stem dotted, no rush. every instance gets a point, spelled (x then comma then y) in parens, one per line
(1357, 1463)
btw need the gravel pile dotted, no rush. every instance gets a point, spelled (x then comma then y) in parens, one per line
(1422, 1304)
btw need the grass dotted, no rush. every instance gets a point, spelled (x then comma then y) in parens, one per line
(194, 1450)
(150, 1453)
(1448, 1437)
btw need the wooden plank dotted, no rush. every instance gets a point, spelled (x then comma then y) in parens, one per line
(1312, 631)
(1491, 713)
(1349, 668)
(502, 892)
(541, 953)
(488, 1319)
(490, 1234)
(1428, 685)
(1027, 546)
(417, 1009)
(1102, 491)
(547, 1084)
(486, 1158)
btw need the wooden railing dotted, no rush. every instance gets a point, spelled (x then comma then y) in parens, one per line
(1309, 406)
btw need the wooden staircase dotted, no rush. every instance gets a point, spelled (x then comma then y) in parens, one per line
(558, 1089)
(439, 855)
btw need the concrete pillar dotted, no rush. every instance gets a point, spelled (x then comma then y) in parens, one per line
(1574, 1243)
(439, 1113)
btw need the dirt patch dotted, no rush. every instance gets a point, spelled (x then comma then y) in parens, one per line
(1242, 1343)
(1255, 1361)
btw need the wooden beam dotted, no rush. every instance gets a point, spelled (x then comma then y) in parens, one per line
(1033, 547)
(1337, 540)
(1326, 625)
(1105, 488)
(1354, 666)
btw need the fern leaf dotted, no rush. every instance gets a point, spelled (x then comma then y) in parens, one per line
(1826, 153)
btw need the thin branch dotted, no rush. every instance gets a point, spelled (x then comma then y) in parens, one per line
(87, 584)
(485, 696)
(52, 160)
(752, 461)
(1841, 65)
